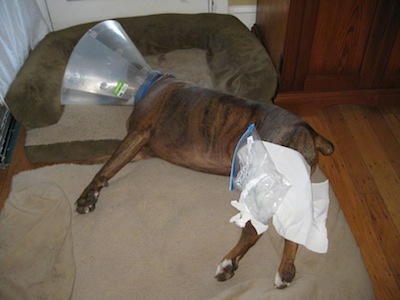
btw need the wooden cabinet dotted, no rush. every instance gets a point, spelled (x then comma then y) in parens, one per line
(331, 51)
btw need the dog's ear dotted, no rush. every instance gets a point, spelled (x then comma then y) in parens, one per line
(323, 145)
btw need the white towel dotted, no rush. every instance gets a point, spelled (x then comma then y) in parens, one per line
(301, 215)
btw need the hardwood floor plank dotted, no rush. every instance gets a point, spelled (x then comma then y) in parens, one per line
(381, 169)
(386, 126)
(358, 153)
(331, 124)
(393, 120)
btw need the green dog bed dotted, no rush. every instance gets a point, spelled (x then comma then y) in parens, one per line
(213, 50)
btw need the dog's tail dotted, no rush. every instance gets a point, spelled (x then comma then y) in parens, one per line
(323, 145)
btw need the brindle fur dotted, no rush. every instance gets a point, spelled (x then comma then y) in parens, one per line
(199, 128)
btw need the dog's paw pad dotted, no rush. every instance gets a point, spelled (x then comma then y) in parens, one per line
(85, 209)
(86, 204)
(226, 269)
(279, 283)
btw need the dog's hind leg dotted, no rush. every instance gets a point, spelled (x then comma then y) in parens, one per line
(249, 237)
(226, 269)
(125, 152)
(286, 270)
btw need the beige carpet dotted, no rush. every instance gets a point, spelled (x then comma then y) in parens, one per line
(158, 232)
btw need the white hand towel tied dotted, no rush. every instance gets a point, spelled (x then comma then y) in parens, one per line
(301, 215)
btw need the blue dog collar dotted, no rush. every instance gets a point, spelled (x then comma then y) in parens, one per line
(146, 85)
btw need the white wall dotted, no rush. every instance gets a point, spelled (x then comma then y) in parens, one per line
(245, 13)
(43, 8)
(65, 13)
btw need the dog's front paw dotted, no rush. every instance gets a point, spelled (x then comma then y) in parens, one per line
(226, 269)
(279, 283)
(283, 280)
(86, 203)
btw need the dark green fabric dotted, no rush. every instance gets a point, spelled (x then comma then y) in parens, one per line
(238, 62)
(78, 151)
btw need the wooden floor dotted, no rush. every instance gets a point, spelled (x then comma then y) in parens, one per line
(365, 174)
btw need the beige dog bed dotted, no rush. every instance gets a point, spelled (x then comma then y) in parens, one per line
(158, 232)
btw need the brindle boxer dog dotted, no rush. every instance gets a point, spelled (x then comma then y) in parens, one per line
(199, 128)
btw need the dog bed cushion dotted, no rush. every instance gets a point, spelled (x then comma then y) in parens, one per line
(158, 232)
(236, 63)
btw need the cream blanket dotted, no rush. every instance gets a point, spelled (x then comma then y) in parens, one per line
(158, 232)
